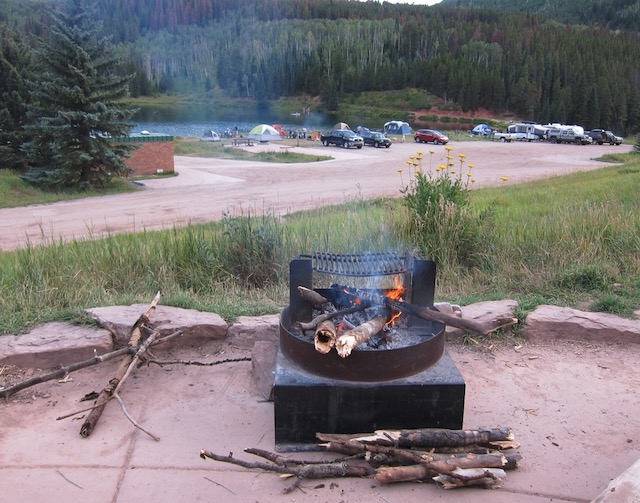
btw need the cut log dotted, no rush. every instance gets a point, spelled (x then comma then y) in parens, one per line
(105, 395)
(363, 332)
(489, 478)
(325, 337)
(313, 297)
(427, 437)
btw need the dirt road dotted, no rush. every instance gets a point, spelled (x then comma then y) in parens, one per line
(207, 188)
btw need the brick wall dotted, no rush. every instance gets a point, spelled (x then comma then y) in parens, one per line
(149, 157)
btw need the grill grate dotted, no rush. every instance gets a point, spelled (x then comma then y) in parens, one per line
(359, 264)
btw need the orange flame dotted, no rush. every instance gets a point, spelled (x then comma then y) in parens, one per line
(396, 293)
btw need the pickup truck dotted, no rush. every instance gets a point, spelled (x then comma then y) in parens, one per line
(573, 134)
(342, 138)
(508, 137)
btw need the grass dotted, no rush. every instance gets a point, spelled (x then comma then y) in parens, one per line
(196, 148)
(16, 192)
(572, 240)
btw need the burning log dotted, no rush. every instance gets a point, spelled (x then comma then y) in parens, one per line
(349, 340)
(325, 336)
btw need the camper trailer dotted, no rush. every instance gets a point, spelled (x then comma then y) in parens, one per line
(527, 131)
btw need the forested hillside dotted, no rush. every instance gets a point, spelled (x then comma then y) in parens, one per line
(612, 14)
(535, 67)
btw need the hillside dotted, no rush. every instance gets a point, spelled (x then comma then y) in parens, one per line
(611, 14)
(476, 58)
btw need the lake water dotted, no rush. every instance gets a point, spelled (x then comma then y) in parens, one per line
(194, 120)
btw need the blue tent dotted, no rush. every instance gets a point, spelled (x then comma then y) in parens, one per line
(397, 127)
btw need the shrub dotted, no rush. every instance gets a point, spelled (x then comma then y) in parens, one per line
(440, 221)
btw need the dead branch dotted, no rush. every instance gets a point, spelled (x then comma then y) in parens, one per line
(197, 363)
(133, 421)
(66, 370)
(432, 315)
(283, 461)
(306, 471)
(311, 325)
(106, 394)
(63, 371)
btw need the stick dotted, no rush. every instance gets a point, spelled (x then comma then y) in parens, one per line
(311, 325)
(63, 371)
(105, 395)
(314, 471)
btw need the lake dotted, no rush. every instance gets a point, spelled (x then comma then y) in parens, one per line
(194, 120)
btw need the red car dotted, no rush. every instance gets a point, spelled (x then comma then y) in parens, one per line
(430, 136)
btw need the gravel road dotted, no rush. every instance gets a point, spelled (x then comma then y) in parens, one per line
(207, 188)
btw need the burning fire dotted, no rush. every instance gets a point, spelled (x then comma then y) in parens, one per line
(396, 293)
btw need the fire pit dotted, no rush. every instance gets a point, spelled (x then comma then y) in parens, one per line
(401, 377)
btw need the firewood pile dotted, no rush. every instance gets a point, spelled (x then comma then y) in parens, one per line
(449, 458)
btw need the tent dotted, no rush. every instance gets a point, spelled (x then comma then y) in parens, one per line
(280, 130)
(341, 125)
(264, 133)
(482, 130)
(397, 127)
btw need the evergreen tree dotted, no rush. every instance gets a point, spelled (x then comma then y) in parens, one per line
(75, 109)
(15, 63)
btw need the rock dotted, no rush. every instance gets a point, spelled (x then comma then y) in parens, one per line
(247, 330)
(197, 327)
(485, 312)
(263, 363)
(552, 323)
(53, 345)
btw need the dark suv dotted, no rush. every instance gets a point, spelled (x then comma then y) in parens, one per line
(375, 138)
(430, 136)
(600, 136)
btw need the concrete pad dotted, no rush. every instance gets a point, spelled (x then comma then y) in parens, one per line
(573, 408)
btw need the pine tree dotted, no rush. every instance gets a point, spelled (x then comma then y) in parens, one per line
(75, 107)
(15, 63)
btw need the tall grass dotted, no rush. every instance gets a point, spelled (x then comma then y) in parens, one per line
(572, 240)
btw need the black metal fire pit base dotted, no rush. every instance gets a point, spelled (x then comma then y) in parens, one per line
(305, 403)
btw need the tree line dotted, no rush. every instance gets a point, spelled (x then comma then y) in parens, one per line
(522, 62)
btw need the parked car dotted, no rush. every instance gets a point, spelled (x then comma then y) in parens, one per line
(600, 136)
(342, 138)
(375, 138)
(481, 130)
(430, 136)
(210, 136)
(613, 139)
